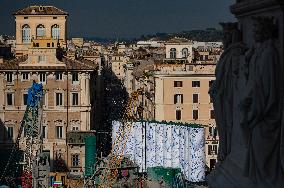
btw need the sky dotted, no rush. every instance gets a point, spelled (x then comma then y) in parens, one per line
(127, 18)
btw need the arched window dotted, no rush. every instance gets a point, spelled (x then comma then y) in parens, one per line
(173, 53)
(55, 31)
(184, 53)
(40, 31)
(26, 34)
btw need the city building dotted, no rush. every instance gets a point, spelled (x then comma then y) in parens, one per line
(176, 88)
(179, 49)
(68, 91)
(118, 60)
(39, 22)
(78, 41)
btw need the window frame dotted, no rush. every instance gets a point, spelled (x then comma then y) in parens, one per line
(178, 114)
(59, 132)
(42, 79)
(193, 99)
(9, 77)
(26, 34)
(212, 149)
(194, 83)
(24, 75)
(75, 81)
(44, 132)
(195, 112)
(178, 99)
(40, 30)
(12, 99)
(25, 102)
(55, 31)
(72, 99)
(173, 53)
(76, 162)
(60, 96)
(185, 55)
(58, 76)
(176, 83)
(42, 59)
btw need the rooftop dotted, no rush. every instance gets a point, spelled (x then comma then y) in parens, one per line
(40, 10)
(14, 64)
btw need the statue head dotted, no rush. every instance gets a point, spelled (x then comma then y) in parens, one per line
(265, 28)
(231, 33)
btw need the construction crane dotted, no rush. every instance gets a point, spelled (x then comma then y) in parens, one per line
(132, 112)
(28, 145)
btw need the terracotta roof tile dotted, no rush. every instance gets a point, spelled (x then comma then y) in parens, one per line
(81, 64)
(40, 10)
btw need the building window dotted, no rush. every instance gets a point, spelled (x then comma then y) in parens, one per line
(75, 99)
(10, 133)
(173, 53)
(25, 99)
(26, 34)
(184, 53)
(41, 58)
(44, 132)
(9, 77)
(59, 132)
(177, 83)
(25, 76)
(10, 99)
(75, 77)
(42, 77)
(195, 114)
(178, 98)
(58, 99)
(75, 128)
(195, 83)
(40, 31)
(212, 149)
(213, 131)
(212, 114)
(195, 98)
(178, 114)
(55, 31)
(75, 160)
(58, 76)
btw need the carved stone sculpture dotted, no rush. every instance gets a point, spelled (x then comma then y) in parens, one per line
(222, 90)
(256, 155)
(261, 112)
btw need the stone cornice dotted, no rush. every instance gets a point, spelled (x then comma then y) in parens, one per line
(251, 6)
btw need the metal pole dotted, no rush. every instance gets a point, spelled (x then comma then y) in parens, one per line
(145, 137)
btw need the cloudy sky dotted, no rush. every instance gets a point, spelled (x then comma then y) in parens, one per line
(126, 18)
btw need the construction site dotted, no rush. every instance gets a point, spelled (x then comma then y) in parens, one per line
(143, 154)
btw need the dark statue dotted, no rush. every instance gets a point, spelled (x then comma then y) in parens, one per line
(260, 107)
(222, 90)
(248, 107)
